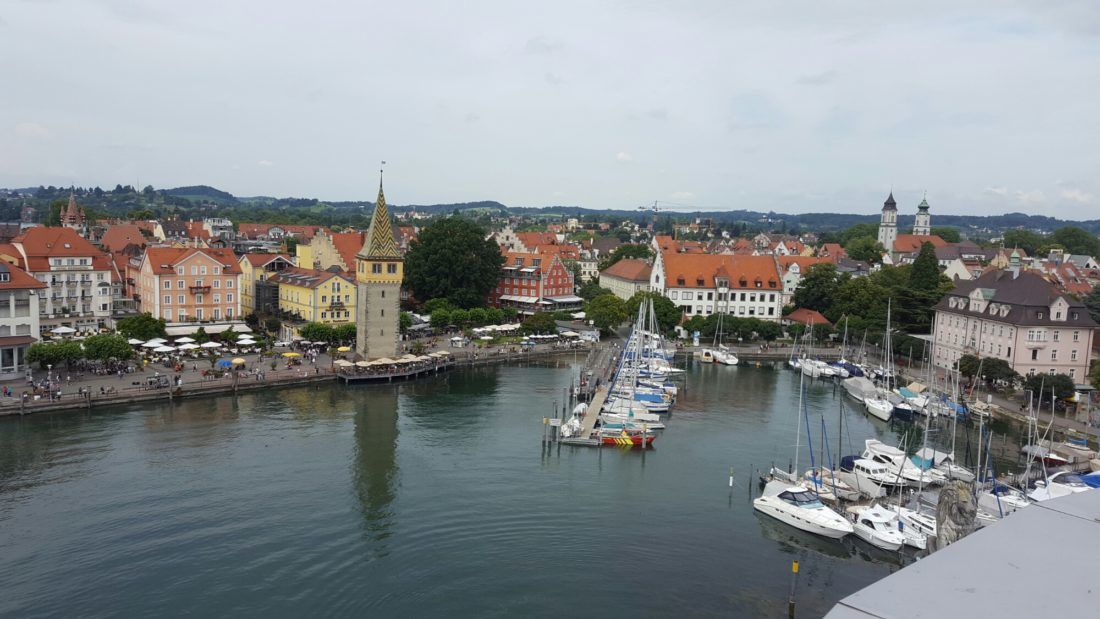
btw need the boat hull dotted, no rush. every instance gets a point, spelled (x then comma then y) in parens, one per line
(634, 440)
(765, 506)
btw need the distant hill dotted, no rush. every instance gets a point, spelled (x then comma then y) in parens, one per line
(202, 192)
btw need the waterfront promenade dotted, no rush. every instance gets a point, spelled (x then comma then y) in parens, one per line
(90, 390)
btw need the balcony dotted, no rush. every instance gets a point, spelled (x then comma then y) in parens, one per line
(199, 289)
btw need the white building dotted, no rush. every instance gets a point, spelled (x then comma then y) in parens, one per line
(19, 296)
(77, 276)
(888, 223)
(703, 284)
(626, 277)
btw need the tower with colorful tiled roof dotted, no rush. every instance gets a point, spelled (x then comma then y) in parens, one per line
(922, 225)
(888, 224)
(379, 268)
(72, 215)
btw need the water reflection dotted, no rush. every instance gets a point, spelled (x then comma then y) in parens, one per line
(375, 464)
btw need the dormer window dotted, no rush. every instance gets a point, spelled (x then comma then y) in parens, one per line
(699, 282)
(1039, 315)
(680, 281)
(1074, 314)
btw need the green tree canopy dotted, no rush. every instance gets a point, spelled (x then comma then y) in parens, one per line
(142, 327)
(865, 248)
(106, 346)
(541, 322)
(951, 235)
(606, 312)
(345, 333)
(591, 289)
(818, 286)
(636, 251)
(1024, 239)
(405, 321)
(453, 259)
(317, 332)
(924, 274)
(1061, 383)
(1092, 302)
(1075, 240)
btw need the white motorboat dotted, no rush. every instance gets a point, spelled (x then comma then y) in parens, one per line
(916, 527)
(801, 509)
(869, 478)
(877, 526)
(896, 460)
(879, 406)
(824, 480)
(1062, 483)
(858, 388)
(928, 458)
(720, 357)
(1001, 501)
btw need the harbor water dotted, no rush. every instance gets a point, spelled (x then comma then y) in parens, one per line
(426, 498)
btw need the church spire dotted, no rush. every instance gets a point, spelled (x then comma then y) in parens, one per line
(379, 243)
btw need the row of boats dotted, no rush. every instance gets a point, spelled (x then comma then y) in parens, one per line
(895, 493)
(641, 392)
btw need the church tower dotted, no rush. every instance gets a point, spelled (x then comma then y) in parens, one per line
(378, 273)
(888, 225)
(923, 224)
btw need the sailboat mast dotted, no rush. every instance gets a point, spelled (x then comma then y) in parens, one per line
(798, 431)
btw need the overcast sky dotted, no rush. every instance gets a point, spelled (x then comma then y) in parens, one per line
(787, 106)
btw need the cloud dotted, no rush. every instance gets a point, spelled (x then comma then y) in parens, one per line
(553, 79)
(471, 117)
(1000, 192)
(1032, 197)
(818, 79)
(753, 111)
(682, 195)
(624, 157)
(1076, 195)
(658, 114)
(264, 163)
(31, 130)
(541, 45)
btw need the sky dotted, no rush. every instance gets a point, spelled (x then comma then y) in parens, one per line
(793, 106)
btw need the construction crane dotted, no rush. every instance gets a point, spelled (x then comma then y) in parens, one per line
(655, 208)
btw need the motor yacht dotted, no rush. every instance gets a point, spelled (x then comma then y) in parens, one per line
(877, 526)
(800, 508)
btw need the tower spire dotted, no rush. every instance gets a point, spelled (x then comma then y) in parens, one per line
(379, 242)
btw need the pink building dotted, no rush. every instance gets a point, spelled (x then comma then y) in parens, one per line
(1017, 316)
(185, 284)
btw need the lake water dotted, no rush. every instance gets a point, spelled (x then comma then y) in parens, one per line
(429, 498)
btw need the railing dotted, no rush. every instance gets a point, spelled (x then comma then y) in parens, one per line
(199, 289)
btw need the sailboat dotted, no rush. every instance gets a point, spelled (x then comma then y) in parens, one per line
(794, 504)
(718, 352)
(878, 404)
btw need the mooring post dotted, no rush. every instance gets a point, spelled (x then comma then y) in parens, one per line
(794, 582)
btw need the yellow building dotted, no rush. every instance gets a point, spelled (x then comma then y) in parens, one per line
(258, 293)
(316, 296)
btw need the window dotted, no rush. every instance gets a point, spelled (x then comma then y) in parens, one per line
(99, 277)
(229, 312)
(1074, 315)
(325, 315)
(180, 284)
(1073, 355)
(217, 298)
(167, 284)
(1035, 355)
(217, 270)
(674, 295)
(391, 268)
(324, 299)
(710, 296)
(217, 283)
(228, 283)
(1056, 335)
(1054, 355)
(1039, 315)
(168, 314)
(376, 268)
(688, 296)
(202, 270)
(217, 313)
(180, 300)
(182, 315)
(167, 299)
(1076, 336)
(194, 269)
(179, 270)
(229, 297)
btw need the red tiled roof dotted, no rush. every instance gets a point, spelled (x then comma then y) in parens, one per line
(803, 262)
(8, 249)
(17, 278)
(908, 243)
(534, 239)
(118, 236)
(348, 244)
(163, 260)
(42, 243)
(630, 270)
(196, 231)
(807, 317)
(700, 270)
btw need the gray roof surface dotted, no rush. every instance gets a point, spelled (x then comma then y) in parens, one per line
(1038, 562)
(1028, 294)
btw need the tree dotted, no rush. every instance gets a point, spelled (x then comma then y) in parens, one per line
(452, 258)
(478, 316)
(951, 235)
(344, 333)
(272, 325)
(1092, 302)
(1075, 240)
(142, 327)
(625, 251)
(106, 346)
(857, 231)
(1061, 383)
(865, 248)
(769, 331)
(591, 289)
(667, 313)
(1024, 239)
(606, 312)
(440, 318)
(431, 305)
(405, 321)
(818, 287)
(316, 332)
(968, 366)
(201, 336)
(541, 322)
(925, 271)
